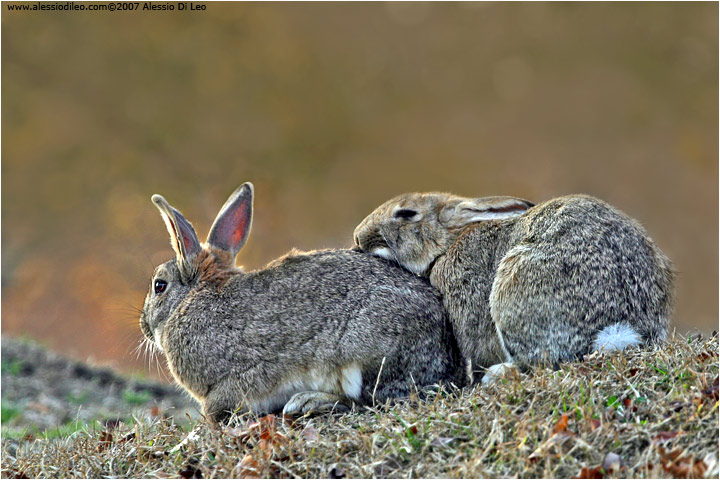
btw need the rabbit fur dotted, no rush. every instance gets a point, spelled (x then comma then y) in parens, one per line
(529, 284)
(326, 328)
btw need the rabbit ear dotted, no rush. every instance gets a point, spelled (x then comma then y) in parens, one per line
(182, 236)
(461, 213)
(232, 224)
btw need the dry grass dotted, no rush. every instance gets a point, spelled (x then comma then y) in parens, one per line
(642, 413)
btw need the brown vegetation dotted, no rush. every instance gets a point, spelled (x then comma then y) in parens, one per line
(639, 414)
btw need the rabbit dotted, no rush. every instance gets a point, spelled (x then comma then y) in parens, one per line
(528, 284)
(310, 331)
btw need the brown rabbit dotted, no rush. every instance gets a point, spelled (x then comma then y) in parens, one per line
(527, 283)
(311, 331)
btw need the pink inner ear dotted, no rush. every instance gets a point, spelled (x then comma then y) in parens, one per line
(239, 232)
(240, 220)
(509, 208)
(188, 243)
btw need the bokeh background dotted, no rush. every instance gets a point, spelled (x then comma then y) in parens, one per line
(330, 110)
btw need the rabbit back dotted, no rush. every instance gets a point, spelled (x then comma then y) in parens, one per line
(575, 267)
(464, 275)
(324, 321)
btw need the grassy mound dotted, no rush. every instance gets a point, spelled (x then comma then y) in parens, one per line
(641, 413)
(47, 395)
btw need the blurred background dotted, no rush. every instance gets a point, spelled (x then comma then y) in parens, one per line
(330, 110)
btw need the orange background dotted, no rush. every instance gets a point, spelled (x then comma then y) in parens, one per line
(330, 110)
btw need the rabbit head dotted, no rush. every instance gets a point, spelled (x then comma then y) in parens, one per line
(212, 262)
(415, 228)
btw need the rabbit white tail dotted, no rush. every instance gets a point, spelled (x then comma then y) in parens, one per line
(617, 336)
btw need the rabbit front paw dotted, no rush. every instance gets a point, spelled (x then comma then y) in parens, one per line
(498, 372)
(316, 402)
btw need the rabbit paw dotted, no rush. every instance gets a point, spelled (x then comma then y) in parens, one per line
(498, 372)
(316, 402)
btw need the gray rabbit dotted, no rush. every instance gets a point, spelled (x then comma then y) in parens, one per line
(309, 332)
(528, 284)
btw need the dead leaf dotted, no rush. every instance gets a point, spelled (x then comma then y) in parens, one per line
(311, 434)
(583, 369)
(703, 356)
(613, 462)
(591, 472)
(249, 467)
(266, 427)
(235, 431)
(629, 405)
(562, 424)
(441, 442)
(595, 423)
(681, 464)
(662, 437)
(155, 411)
(263, 431)
(671, 455)
(105, 441)
(266, 448)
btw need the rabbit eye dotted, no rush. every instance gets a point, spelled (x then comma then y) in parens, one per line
(159, 286)
(405, 213)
